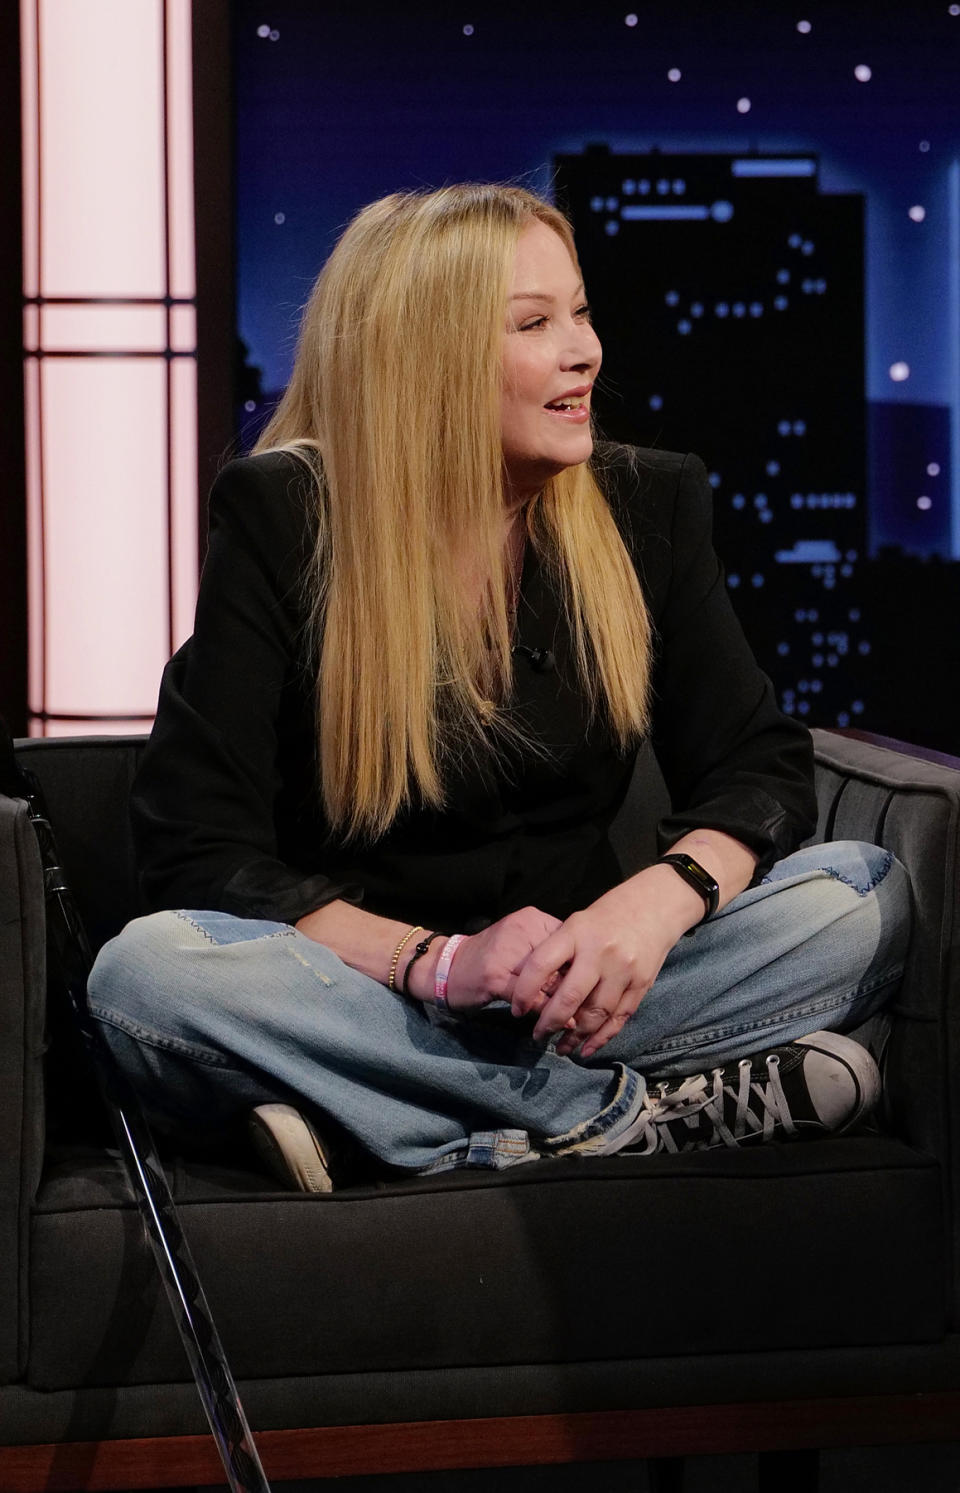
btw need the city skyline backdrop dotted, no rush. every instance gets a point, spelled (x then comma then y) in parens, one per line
(335, 108)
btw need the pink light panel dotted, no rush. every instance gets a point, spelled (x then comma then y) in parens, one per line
(183, 274)
(98, 328)
(110, 344)
(101, 148)
(105, 541)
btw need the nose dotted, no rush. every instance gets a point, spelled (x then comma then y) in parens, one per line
(582, 352)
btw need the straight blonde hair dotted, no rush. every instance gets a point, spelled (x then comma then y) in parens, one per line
(394, 403)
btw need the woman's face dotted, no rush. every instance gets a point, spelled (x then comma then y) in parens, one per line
(551, 356)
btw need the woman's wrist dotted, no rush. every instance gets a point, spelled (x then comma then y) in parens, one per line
(444, 965)
(379, 947)
(683, 906)
(369, 943)
(423, 972)
(659, 890)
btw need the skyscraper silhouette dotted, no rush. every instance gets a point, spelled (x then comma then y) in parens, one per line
(728, 293)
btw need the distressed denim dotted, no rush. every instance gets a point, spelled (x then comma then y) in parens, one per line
(210, 1014)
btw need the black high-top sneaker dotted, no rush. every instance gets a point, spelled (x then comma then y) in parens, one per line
(818, 1085)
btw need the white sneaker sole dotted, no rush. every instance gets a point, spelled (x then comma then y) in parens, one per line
(290, 1148)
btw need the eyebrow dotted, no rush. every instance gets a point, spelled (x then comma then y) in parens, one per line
(541, 295)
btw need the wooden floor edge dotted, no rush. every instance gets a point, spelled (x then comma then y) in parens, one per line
(502, 1441)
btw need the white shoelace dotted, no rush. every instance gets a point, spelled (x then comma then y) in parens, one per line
(760, 1107)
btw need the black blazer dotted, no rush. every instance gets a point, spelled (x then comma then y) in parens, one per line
(225, 808)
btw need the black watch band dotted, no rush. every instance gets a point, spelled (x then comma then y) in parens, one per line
(695, 875)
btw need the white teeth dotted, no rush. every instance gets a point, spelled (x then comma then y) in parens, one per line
(565, 404)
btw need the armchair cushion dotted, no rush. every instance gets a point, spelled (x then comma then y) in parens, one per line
(624, 1281)
(562, 1262)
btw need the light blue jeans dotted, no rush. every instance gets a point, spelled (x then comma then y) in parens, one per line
(210, 1014)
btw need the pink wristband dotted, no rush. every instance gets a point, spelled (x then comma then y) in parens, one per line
(442, 976)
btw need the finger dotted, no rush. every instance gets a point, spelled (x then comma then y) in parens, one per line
(538, 970)
(550, 983)
(600, 1007)
(567, 1044)
(610, 1028)
(601, 1004)
(564, 1005)
(537, 1001)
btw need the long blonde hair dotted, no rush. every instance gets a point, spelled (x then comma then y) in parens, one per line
(394, 403)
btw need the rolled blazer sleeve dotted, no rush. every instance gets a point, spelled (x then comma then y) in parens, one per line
(732, 761)
(205, 800)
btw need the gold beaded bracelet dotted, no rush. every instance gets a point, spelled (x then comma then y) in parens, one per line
(398, 951)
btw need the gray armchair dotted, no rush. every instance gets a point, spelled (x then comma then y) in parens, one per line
(793, 1296)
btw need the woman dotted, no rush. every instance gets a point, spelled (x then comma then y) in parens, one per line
(434, 627)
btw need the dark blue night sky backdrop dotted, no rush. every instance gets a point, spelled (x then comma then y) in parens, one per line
(337, 104)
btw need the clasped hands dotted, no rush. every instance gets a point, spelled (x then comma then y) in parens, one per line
(584, 977)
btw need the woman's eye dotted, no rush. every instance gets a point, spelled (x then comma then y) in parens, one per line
(583, 313)
(533, 323)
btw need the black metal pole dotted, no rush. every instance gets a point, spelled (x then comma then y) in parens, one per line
(148, 1182)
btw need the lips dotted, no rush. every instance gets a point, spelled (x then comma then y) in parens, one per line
(573, 399)
(569, 411)
(573, 407)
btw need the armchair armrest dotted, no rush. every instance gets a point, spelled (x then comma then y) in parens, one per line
(908, 801)
(22, 1013)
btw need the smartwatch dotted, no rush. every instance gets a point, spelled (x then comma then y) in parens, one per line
(695, 875)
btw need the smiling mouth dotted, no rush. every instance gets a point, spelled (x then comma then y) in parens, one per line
(577, 403)
(572, 411)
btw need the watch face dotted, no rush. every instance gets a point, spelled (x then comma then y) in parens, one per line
(700, 879)
(705, 880)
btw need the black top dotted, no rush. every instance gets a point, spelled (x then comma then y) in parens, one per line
(226, 810)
